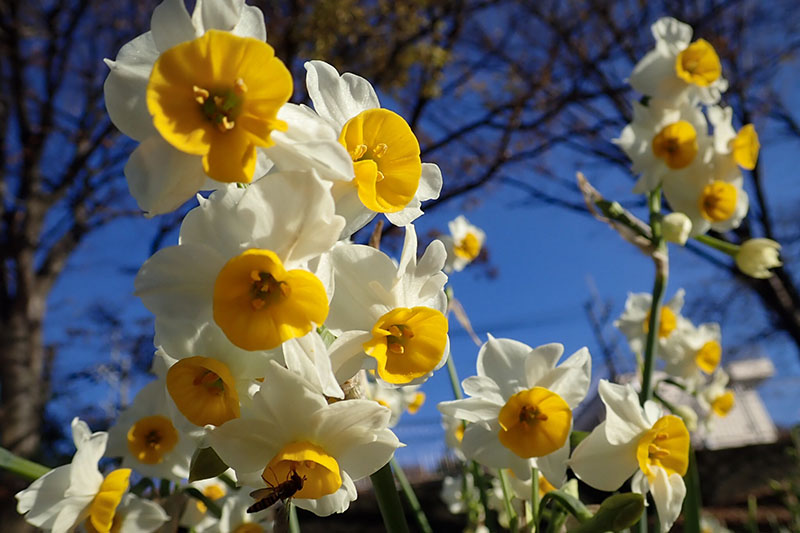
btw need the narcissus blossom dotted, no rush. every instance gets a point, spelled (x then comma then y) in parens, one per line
(75, 493)
(196, 515)
(640, 442)
(679, 67)
(463, 245)
(741, 147)
(634, 323)
(698, 352)
(249, 260)
(757, 256)
(293, 429)
(520, 411)
(715, 398)
(388, 175)
(200, 93)
(390, 317)
(235, 518)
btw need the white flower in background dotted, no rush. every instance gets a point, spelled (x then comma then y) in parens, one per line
(388, 175)
(712, 196)
(454, 434)
(640, 442)
(757, 256)
(309, 357)
(634, 323)
(249, 260)
(709, 524)
(387, 315)
(698, 352)
(740, 147)
(679, 67)
(458, 492)
(199, 100)
(235, 518)
(195, 515)
(463, 245)
(688, 415)
(520, 411)
(148, 441)
(397, 399)
(676, 228)
(293, 430)
(68, 495)
(715, 398)
(137, 515)
(664, 139)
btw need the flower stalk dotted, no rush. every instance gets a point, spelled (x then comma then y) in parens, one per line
(389, 500)
(411, 497)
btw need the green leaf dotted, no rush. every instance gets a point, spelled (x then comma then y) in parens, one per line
(576, 437)
(206, 464)
(617, 512)
(327, 336)
(20, 466)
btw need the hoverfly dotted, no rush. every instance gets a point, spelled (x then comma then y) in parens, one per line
(274, 493)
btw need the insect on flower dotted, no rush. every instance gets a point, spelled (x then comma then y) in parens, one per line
(282, 491)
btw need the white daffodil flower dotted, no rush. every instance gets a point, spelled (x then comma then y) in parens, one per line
(235, 518)
(397, 399)
(68, 495)
(715, 398)
(665, 139)
(634, 323)
(195, 514)
(294, 431)
(199, 124)
(640, 442)
(677, 66)
(309, 358)
(457, 492)
(138, 515)
(757, 256)
(741, 147)
(386, 174)
(249, 260)
(387, 315)
(698, 352)
(148, 441)
(520, 410)
(454, 435)
(463, 245)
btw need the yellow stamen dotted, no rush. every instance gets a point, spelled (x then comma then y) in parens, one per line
(665, 445)
(151, 438)
(200, 94)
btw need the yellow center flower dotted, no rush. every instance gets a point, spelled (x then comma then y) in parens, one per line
(718, 201)
(544, 486)
(249, 527)
(665, 445)
(534, 422)
(459, 432)
(407, 343)
(218, 96)
(666, 324)
(104, 505)
(723, 403)
(213, 493)
(419, 399)
(204, 390)
(708, 356)
(676, 144)
(468, 248)
(745, 147)
(151, 438)
(319, 470)
(698, 64)
(386, 159)
(259, 305)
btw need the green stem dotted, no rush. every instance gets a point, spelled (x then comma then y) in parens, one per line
(411, 498)
(294, 523)
(534, 499)
(692, 504)
(718, 244)
(512, 514)
(389, 500)
(21, 467)
(453, 374)
(210, 504)
(480, 482)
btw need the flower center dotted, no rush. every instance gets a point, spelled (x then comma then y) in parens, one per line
(723, 403)
(665, 445)
(745, 147)
(204, 390)
(708, 356)
(468, 248)
(386, 159)
(319, 470)
(407, 343)
(666, 324)
(676, 144)
(698, 64)
(108, 497)
(259, 305)
(151, 438)
(221, 107)
(718, 201)
(213, 493)
(416, 403)
(534, 422)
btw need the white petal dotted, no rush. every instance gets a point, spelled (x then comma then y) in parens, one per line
(668, 493)
(246, 444)
(287, 399)
(126, 85)
(624, 417)
(251, 24)
(162, 178)
(366, 459)
(483, 387)
(216, 14)
(349, 206)
(430, 184)
(503, 361)
(140, 515)
(471, 409)
(214, 223)
(171, 25)
(408, 215)
(602, 465)
(71, 514)
(43, 499)
(554, 465)
(571, 379)
(347, 354)
(308, 357)
(338, 99)
(338, 502)
(480, 443)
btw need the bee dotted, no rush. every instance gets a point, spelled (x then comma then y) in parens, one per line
(274, 493)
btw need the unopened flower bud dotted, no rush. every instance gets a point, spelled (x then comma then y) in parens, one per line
(688, 415)
(757, 256)
(676, 227)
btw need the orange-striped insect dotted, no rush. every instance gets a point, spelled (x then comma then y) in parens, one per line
(281, 492)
